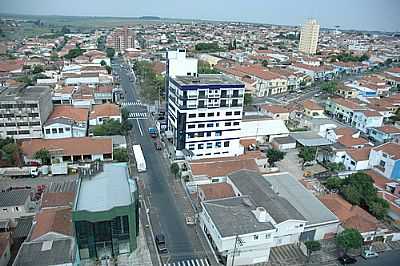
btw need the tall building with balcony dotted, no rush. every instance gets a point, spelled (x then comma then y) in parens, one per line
(121, 39)
(23, 111)
(309, 37)
(204, 115)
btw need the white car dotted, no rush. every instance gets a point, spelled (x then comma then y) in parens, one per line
(369, 254)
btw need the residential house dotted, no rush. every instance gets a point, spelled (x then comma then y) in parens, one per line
(365, 119)
(392, 76)
(313, 109)
(343, 109)
(386, 160)
(346, 92)
(260, 218)
(215, 191)
(50, 241)
(63, 95)
(103, 94)
(15, 204)
(385, 133)
(69, 150)
(66, 121)
(275, 111)
(353, 216)
(357, 159)
(263, 128)
(103, 112)
(323, 72)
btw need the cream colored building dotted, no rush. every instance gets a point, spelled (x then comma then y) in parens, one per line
(309, 37)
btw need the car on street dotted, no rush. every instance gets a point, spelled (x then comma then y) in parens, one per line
(369, 254)
(161, 244)
(346, 259)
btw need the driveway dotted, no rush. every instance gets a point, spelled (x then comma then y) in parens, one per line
(291, 164)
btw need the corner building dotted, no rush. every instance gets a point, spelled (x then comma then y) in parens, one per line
(204, 115)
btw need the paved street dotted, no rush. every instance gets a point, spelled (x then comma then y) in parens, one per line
(165, 210)
(388, 258)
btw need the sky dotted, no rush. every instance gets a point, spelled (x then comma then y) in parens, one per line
(348, 14)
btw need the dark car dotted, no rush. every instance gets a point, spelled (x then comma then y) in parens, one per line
(346, 259)
(161, 245)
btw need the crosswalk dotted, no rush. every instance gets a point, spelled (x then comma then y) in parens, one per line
(137, 115)
(189, 262)
(137, 103)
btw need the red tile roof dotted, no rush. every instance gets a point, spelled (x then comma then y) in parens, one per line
(388, 129)
(57, 220)
(107, 109)
(312, 105)
(390, 148)
(68, 111)
(222, 167)
(68, 146)
(275, 109)
(57, 199)
(217, 191)
(350, 216)
(359, 154)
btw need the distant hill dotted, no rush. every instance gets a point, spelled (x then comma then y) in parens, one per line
(149, 18)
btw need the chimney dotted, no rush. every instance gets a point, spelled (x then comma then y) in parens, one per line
(261, 214)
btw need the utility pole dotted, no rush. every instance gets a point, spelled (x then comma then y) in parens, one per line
(234, 250)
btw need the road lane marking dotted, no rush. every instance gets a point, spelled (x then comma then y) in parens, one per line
(140, 129)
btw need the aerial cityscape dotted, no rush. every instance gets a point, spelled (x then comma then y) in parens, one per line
(204, 133)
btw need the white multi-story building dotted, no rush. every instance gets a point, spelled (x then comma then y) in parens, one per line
(309, 37)
(204, 115)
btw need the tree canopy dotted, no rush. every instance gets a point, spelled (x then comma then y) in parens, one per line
(248, 99)
(174, 169)
(108, 128)
(349, 239)
(110, 52)
(73, 53)
(209, 47)
(37, 69)
(274, 156)
(205, 68)
(43, 155)
(307, 154)
(330, 87)
(120, 155)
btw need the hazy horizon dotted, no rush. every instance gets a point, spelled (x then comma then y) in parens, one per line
(372, 15)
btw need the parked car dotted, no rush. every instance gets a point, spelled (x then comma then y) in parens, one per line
(346, 259)
(161, 244)
(369, 254)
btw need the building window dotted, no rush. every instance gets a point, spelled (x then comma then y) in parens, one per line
(54, 130)
(209, 145)
(210, 125)
(218, 133)
(202, 115)
(228, 113)
(217, 113)
(226, 144)
(192, 115)
(255, 237)
(208, 134)
(201, 125)
(200, 146)
(267, 236)
(191, 147)
(228, 124)
(60, 130)
(200, 134)
(216, 124)
(191, 126)
(67, 129)
(218, 144)
(236, 123)
(237, 112)
(47, 131)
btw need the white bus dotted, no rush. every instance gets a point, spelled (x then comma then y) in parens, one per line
(139, 158)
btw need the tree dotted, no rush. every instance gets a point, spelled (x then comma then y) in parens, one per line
(330, 87)
(209, 47)
(108, 128)
(336, 167)
(43, 155)
(110, 52)
(25, 79)
(73, 53)
(37, 69)
(9, 152)
(103, 63)
(175, 169)
(274, 156)
(120, 155)
(351, 194)
(307, 154)
(312, 246)
(54, 57)
(264, 63)
(349, 239)
(109, 69)
(379, 208)
(333, 182)
(205, 68)
(248, 99)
